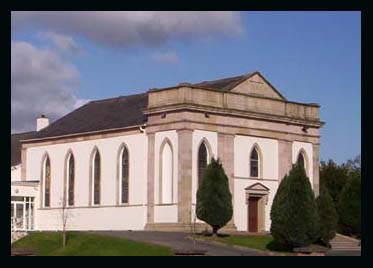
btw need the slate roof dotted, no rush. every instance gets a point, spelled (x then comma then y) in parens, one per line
(116, 113)
(224, 84)
(99, 115)
(15, 146)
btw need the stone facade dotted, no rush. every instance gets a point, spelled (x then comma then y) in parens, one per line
(229, 123)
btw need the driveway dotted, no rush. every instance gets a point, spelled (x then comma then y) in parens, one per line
(343, 253)
(180, 242)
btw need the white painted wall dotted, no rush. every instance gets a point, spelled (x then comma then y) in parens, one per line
(24, 191)
(212, 140)
(240, 206)
(165, 213)
(109, 148)
(171, 135)
(307, 147)
(88, 218)
(242, 148)
(198, 137)
(167, 174)
(15, 173)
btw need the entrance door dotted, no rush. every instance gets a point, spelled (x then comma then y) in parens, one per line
(253, 214)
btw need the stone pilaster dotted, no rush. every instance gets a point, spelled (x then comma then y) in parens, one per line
(285, 152)
(226, 155)
(185, 175)
(315, 163)
(151, 148)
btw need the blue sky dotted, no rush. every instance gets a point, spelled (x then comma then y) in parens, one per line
(307, 56)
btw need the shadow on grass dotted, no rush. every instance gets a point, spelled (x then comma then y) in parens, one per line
(209, 234)
(275, 246)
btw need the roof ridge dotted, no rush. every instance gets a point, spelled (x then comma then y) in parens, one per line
(23, 133)
(118, 97)
(220, 79)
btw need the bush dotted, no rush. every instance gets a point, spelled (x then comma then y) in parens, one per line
(349, 205)
(333, 178)
(328, 217)
(214, 200)
(294, 216)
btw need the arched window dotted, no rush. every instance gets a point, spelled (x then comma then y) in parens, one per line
(166, 182)
(254, 163)
(96, 178)
(301, 161)
(70, 179)
(47, 182)
(124, 175)
(202, 161)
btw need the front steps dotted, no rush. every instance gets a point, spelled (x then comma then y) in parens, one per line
(16, 235)
(345, 243)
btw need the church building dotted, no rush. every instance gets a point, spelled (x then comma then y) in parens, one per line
(135, 162)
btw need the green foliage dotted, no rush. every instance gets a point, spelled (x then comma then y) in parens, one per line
(349, 206)
(333, 178)
(294, 215)
(87, 244)
(214, 200)
(328, 216)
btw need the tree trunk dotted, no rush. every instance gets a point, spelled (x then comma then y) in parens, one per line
(64, 239)
(215, 230)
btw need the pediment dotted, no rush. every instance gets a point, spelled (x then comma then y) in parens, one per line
(256, 84)
(257, 187)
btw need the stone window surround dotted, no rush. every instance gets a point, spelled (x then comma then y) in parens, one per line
(260, 160)
(66, 178)
(165, 141)
(42, 182)
(119, 175)
(91, 177)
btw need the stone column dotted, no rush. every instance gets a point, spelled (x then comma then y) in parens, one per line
(151, 147)
(315, 163)
(226, 155)
(285, 153)
(184, 175)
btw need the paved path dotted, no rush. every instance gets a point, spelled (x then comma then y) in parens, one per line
(344, 246)
(180, 242)
(343, 253)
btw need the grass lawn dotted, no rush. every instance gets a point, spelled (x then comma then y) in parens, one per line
(87, 244)
(260, 242)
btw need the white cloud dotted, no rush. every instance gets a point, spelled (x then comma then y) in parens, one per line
(165, 57)
(41, 83)
(62, 42)
(129, 28)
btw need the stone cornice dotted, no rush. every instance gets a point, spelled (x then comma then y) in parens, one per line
(155, 90)
(233, 112)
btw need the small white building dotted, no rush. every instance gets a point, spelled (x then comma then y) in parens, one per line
(135, 162)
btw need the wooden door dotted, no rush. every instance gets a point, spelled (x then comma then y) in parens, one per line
(253, 214)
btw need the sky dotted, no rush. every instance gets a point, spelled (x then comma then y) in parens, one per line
(61, 60)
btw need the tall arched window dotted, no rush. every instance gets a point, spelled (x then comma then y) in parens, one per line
(96, 178)
(202, 161)
(166, 174)
(124, 175)
(254, 163)
(47, 182)
(301, 161)
(70, 179)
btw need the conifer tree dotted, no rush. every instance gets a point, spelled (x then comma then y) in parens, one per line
(214, 200)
